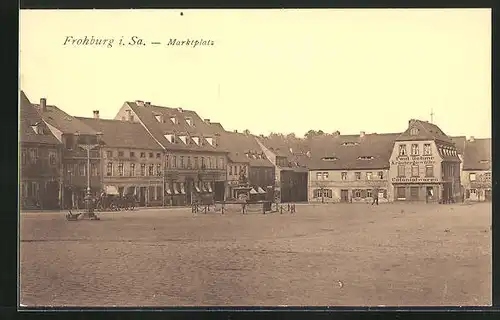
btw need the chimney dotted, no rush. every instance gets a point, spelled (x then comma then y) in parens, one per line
(471, 139)
(179, 109)
(147, 103)
(139, 103)
(207, 120)
(235, 131)
(336, 133)
(362, 134)
(43, 104)
(96, 114)
(261, 135)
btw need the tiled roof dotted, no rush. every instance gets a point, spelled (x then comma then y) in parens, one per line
(459, 143)
(426, 131)
(63, 121)
(477, 155)
(217, 126)
(294, 149)
(239, 144)
(123, 134)
(347, 149)
(199, 128)
(29, 116)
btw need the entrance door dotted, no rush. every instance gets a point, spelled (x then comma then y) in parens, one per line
(487, 195)
(142, 196)
(414, 193)
(219, 190)
(189, 188)
(344, 195)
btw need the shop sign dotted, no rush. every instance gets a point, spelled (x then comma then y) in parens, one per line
(414, 160)
(414, 180)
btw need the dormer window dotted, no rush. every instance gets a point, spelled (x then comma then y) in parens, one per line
(350, 144)
(365, 158)
(210, 140)
(254, 156)
(170, 138)
(189, 121)
(196, 140)
(183, 139)
(329, 158)
(413, 131)
(173, 120)
(158, 118)
(37, 129)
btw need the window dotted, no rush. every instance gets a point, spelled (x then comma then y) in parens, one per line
(143, 154)
(401, 170)
(174, 161)
(323, 193)
(132, 154)
(93, 169)
(151, 169)
(167, 160)
(172, 119)
(132, 169)
(120, 169)
(189, 162)
(413, 131)
(414, 193)
(357, 175)
(52, 158)
(472, 176)
(429, 171)
(182, 162)
(230, 170)
(109, 169)
(357, 193)
(401, 193)
(81, 169)
(427, 149)
(120, 153)
(189, 121)
(325, 175)
(414, 171)
(23, 156)
(158, 193)
(221, 163)
(319, 176)
(143, 169)
(151, 155)
(343, 175)
(209, 162)
(369, 193)
(203, 163)
(414, 149)
(487, 175)
(402, 149)
(158, 118)
(151, 193)
(158, 155)
(381, 174)
(158, 169)
(109, 154)
(368, 176)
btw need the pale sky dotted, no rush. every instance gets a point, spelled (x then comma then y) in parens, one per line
(276, 70)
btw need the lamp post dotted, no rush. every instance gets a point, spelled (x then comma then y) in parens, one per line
(88, 146)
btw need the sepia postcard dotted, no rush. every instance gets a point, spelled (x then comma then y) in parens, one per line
(281, 157)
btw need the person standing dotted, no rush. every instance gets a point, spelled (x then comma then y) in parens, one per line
(375, 196)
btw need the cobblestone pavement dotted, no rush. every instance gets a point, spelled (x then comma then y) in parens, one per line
(349, 254)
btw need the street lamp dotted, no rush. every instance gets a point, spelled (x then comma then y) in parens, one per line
(87, 145)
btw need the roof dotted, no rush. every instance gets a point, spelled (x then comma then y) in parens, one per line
(477, 154)
(147, 114)
(239, 144)
(217, 126)
(29, 116)
(426, 131)
(294, 149)
(459, 143)
(123, 134)
(63, 121)
(347, 149)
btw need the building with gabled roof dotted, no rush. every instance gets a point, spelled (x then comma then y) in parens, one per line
(476, 173)
(73, 133)
(40, 160)
(195, 162)
(133, 162)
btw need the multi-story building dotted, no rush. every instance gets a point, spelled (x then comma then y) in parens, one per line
(40, 161)
(133, 162)
(424, 165)
(247, 164)
(195, 163)
(290, 161)
(476, 173)
(75, 136)
(348, 168)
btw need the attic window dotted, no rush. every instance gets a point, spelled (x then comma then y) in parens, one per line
(329, 158)
(173, 120)
(170, 138)
(158, 118)
(196, 140)
(210, 140)
(413, 131)
(183, 139)
(349, 144)
(189, 121)
(365, 158)
(37, 129)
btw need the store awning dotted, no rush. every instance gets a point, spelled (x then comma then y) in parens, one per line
(197, 187)
(260, 190)
(203, 187)
(209, 187)
(176, 191)
(167, 189)
(183, 191)
(112, 190)
(252, 191)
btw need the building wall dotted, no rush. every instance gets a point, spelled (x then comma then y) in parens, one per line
(355, 190)
(478, 189)
(232, 173)
(261, 176)
(420, 183)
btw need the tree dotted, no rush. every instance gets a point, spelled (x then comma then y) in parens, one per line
(313, 133)
(246, 131)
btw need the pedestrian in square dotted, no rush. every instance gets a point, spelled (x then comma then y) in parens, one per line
(375, 196)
